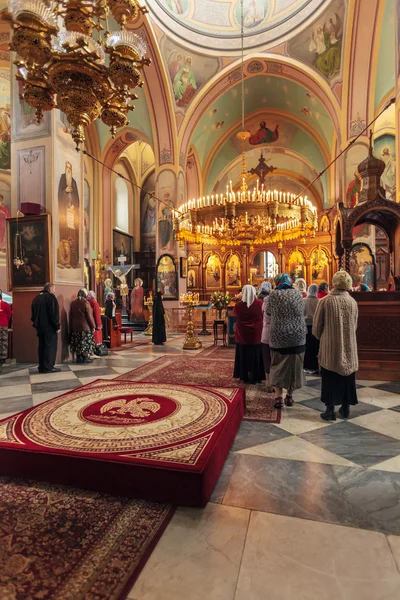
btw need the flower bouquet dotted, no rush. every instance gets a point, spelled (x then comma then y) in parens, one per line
(220, 301)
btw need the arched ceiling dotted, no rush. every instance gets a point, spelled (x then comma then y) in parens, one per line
(215, 24)
(265, 95)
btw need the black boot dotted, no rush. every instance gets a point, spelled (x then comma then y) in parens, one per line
(329, 414)
(344, 411)
(79, 359)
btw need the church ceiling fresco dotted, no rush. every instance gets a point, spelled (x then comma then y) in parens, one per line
(386, 67)
(215, 24)
(320, 44)
(187, 71)
(267, 96)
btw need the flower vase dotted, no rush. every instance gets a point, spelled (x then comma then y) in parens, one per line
(220, 315)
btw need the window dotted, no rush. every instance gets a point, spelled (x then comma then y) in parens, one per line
(121, 205)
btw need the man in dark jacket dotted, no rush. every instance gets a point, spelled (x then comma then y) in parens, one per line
(46, 321)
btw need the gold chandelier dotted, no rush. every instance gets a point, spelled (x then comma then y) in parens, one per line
(256, 217)
(62, 47)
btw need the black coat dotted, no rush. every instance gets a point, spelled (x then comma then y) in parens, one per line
(45, 313)
(159, 334)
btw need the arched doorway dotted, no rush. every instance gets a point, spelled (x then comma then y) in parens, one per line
(264, 266)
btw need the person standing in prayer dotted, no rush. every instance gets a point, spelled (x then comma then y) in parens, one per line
(312, 344)
(287, 339)
(46, 320)
(5, 322)
(301, 285)
(266, 287)
(110, 308)
(323, 290)
(82, 326)
(249, 365)
(335, 325)
(159, 335)
(98, 332)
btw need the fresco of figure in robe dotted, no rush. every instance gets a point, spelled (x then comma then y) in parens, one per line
(68, 207)
(264, 135)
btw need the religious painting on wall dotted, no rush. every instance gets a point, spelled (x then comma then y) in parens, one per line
(264, 135)
(148, 215)
(24, 122)
(319, 266)
(324, 224)
(320, 44)
(5, 120)
(122, 248)
(5, 213)
(362, 265)
(31, 184)
(297, 265)
(385, 149)
(188, 71)
(86, 220)
(68, 215)
(184, 266)
(354, 156)
(232, 271)
(167, 279)
(165, 223)
(29, 254)
(191, 279)
(213, 272)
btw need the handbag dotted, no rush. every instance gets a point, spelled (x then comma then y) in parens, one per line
(101, 350)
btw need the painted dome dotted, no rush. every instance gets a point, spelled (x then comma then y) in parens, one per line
(215, 24)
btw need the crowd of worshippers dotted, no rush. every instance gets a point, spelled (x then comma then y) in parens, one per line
(284, 331)
(85, 325)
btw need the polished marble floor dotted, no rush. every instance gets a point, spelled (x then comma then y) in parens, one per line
(303, 509)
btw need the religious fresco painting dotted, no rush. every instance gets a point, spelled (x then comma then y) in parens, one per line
(68, 215)
(264, 135)
(148, 215)
(86, 219)
(321, 44)
(191, 279)
(362, 265)
(297, 265)
(166, 191)
(385, 149)
(319, 266)
(213, 272)
(28, 241)
(324, 224)
(232, 271)
(5, 120)
(188, 71)
(167, 277)
(5, 213)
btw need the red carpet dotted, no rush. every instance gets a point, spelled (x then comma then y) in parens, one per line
(203, 371)
(61, 543)
(159, 441)
(218, 353)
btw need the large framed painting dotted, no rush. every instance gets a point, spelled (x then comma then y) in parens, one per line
(297, 265)
(232, 271)
(167, 279)
(319, 266)
(184, 266)
(122, 248)
(29, 252)
(362, 265)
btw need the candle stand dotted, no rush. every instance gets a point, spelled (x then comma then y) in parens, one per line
(149, 303)
(190, 301)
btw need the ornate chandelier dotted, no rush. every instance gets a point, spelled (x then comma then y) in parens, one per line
(240, 217)
(62, 62)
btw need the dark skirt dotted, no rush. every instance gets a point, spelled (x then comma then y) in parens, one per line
(312, 349)
(287, 371)
(82, 343)
(338, 389)
(266, 352)
(249, 366)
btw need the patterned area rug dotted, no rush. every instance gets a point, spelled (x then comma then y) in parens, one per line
(218, 353)
(65, 543)
(203, 371)
(130, 345)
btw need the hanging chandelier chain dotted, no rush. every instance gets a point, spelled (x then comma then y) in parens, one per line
(242, 51)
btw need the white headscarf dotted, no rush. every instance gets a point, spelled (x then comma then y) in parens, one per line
(248, 295)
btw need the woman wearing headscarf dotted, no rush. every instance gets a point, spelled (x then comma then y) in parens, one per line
(287, 339)
(110, 308)
(98, 333)
(301, 285)
(335, 325)
(159, 334)
(363, 287)
(81, 326)
(265, 290)
(249, 365)
(323, 290)
(312, 344)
